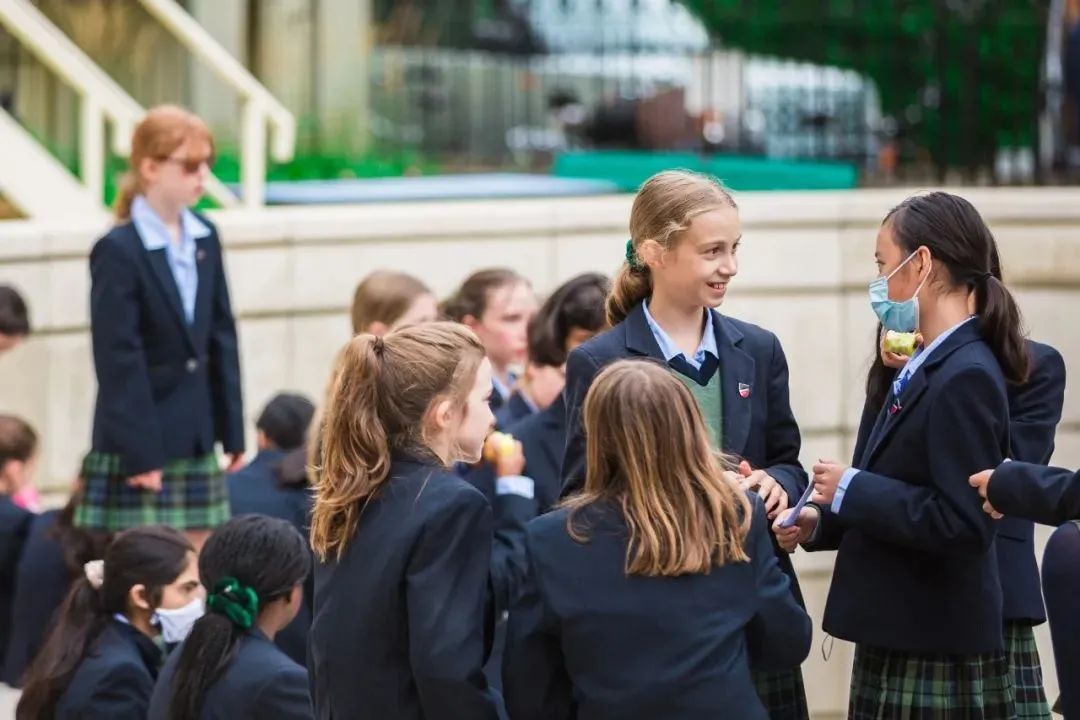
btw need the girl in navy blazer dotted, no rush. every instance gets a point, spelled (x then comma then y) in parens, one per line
(254, 567)
(497, 304)
(103, 653)
(653, 592)
(572, 314)
(1034, 412)
(685, 234)
(403, 545)
(164, 342)
(916, 583)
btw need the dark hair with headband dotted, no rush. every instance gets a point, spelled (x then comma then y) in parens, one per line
(248, 563)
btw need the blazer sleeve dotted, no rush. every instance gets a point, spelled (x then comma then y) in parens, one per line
(511, 512)
(1035, 408)
(446, 589)
(536, 684)
(581, 369)
(778, 636)
(225, 365)
(126, 409)
(1047, 495)
(783, 442)
(284, 696)
(945, 515)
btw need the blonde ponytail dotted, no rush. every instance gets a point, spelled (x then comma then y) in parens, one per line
(125, 196)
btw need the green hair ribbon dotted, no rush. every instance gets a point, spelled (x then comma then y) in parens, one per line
(632, 259)
(237, 602)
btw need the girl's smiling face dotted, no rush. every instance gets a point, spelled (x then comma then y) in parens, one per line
(697, 270)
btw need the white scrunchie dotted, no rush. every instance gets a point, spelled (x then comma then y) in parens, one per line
(95, 573)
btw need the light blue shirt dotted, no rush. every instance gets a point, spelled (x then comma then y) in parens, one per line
(670, 350)
(182, 258)
(906, 373)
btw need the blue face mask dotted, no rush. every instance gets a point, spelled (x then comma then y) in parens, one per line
(900, 316)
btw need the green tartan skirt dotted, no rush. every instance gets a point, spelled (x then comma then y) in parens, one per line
(897, 685)
(1026, 670)
(782, 693)
(193, 496)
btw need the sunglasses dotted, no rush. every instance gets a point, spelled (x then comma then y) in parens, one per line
(191, 165)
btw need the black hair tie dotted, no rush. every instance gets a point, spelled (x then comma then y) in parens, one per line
(985, 276)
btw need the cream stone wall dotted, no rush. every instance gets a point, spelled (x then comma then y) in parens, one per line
(805, 262)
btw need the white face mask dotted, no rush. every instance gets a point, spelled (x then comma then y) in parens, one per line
(176, 623)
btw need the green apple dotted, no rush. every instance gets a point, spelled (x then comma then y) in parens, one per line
(900, 343)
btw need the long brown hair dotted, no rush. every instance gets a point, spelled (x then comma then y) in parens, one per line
(377, 405)
(663, 209)
(648, 452)
(384, 296)
(158, 134)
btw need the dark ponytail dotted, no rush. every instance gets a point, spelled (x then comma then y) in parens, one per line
(880, 377)
(152, 556)
(958, 239)
(248, 563)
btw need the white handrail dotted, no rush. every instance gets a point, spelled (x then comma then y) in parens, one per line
(259, 106)
(101, 97)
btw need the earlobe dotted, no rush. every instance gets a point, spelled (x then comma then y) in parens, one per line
(137, 597)
(440, 414)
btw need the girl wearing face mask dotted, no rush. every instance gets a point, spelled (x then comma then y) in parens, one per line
(685, 234)
(497, 305)
(229, 667)
(403, 545)
(105, 648)
(916, 584)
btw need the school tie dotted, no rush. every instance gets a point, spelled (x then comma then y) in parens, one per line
(700, 375)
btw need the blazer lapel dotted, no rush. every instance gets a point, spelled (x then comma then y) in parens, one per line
(205, 270)
(893, 413)
(159, 262)
(896, 409)
(737, 368)
(639, 337)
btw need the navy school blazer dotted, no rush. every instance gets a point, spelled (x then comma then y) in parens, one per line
(543, 438)
(588, 642)
(513, 410)
(260, 683)
(41, 584)
(15, 524)
(758, 424)
(115, 679)
(166, 389)
(402, 620)
(256, 488)
(1034, 412)
(1046, 495)
(917, 570)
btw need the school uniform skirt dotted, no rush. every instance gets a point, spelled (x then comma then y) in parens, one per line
(193, 496)
(782, 693)
(888, 684)
(1023, 656)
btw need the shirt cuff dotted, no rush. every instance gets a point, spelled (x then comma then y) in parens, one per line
(515, 485)
(845, 480)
